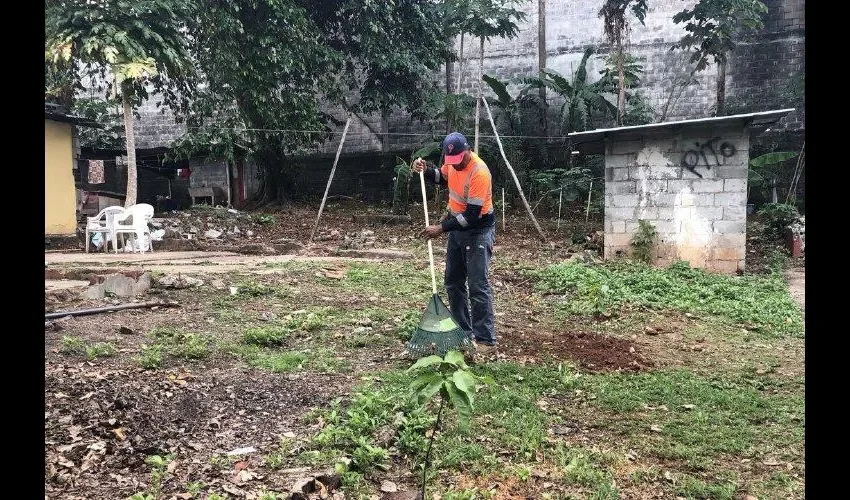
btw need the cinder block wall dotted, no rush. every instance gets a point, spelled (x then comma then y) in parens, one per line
(701, 220)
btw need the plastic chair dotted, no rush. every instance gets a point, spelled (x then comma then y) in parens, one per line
(135, 223)
(103, 222)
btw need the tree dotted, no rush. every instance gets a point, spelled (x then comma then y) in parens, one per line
(616, 25)
(581, 99)
(713, 26)
(489, 19)
(133, 44)
(271, 70)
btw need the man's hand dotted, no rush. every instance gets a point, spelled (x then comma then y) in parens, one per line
(432, 231)
(418, 165)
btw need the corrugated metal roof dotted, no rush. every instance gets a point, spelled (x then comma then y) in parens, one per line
(762, 118)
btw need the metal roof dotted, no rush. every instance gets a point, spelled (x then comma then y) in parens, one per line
(59, 113)
(595, 137)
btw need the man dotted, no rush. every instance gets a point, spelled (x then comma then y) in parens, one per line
(471, 228)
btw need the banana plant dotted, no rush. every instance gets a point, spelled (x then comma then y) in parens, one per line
(764, 170)
(581, 99)
(402, 174)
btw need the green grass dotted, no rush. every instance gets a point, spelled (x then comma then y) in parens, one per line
(694, 488)
(181, 344)
(266, 335)
(73, 345)
(150, 357)
(389, 280)
(760, 303)
(318, 359)
(700, 418)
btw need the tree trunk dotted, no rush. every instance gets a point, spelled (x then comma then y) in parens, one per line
(132, 178)
(721, 88)
(541, 59)
(478, 100)
(460, 66)
(621, 74)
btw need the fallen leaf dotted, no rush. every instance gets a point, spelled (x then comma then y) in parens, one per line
(771, 462)
(87, 396)
(655, 428)
(120, 433)
(172, 467)
(241, 451)
(289, 434)
(750, 497)
(241, 465)
(688, 407)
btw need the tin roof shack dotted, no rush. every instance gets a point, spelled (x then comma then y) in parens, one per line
(686, 178)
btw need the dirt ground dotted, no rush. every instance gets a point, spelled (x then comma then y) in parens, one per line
(102, 417)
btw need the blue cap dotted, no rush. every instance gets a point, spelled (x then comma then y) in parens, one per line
(454, 145)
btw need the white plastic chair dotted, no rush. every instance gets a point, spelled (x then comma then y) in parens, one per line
(103, 222)
(134, 221)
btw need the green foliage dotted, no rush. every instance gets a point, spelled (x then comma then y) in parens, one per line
(575, 183)
(320, 52)
(265, 336)
(450, 377)
(706, 416)
(100, 349)
(407, 324)
(123, 40)
(582, 100)
(150, 357)
(779, 216)
(72, 345)
(159, 466)
(765, 170)
(712, 26)
(756, 302)
(265, 219)
(182, 344)
(104, 112)
(638, 110)
(643, 241)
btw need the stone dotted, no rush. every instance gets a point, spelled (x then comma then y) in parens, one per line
(212, 234)
(119, 285)
(178, 282)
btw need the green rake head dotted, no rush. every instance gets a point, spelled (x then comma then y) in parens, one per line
(438, 332)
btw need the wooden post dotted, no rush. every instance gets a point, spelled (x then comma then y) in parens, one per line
(480, 94)
(511, 169)
(503, 209)
(330, 179)
(587, 212)
(560, 197)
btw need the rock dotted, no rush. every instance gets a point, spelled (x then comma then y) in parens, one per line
(126, 331)
(388, 486)
(178, 282)
(241, 451)
(250, 233)
(212, 234)
(120, 286)
(218, 284)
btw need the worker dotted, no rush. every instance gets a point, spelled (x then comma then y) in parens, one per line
(471, 227)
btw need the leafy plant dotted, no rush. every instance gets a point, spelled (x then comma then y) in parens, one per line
(72, 345)
(449, 377)
(779, 216)
(581, 99)
(765, 170)
(150, 357)
(643, 241)
(266, 219)
(101, 349)
(403, 176)
(574, 182)
(159, 466)
(266, 336)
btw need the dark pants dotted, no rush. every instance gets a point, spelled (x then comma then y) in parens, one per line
(468, 259)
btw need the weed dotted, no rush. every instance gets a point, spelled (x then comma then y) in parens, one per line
(150, 357)
(692, 487)
(407, 324)
(265, 336)
(643, 241)
(101, 349)
(159, 465)
(756, 302)
(72, 345)
(265, 219)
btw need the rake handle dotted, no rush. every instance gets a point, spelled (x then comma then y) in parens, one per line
(427, 223)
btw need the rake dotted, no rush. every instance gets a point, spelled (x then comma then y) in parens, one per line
(437, 332)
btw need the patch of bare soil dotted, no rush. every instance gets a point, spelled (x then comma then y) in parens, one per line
(101, 424)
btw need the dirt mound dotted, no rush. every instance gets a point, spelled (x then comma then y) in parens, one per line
(591, 351)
